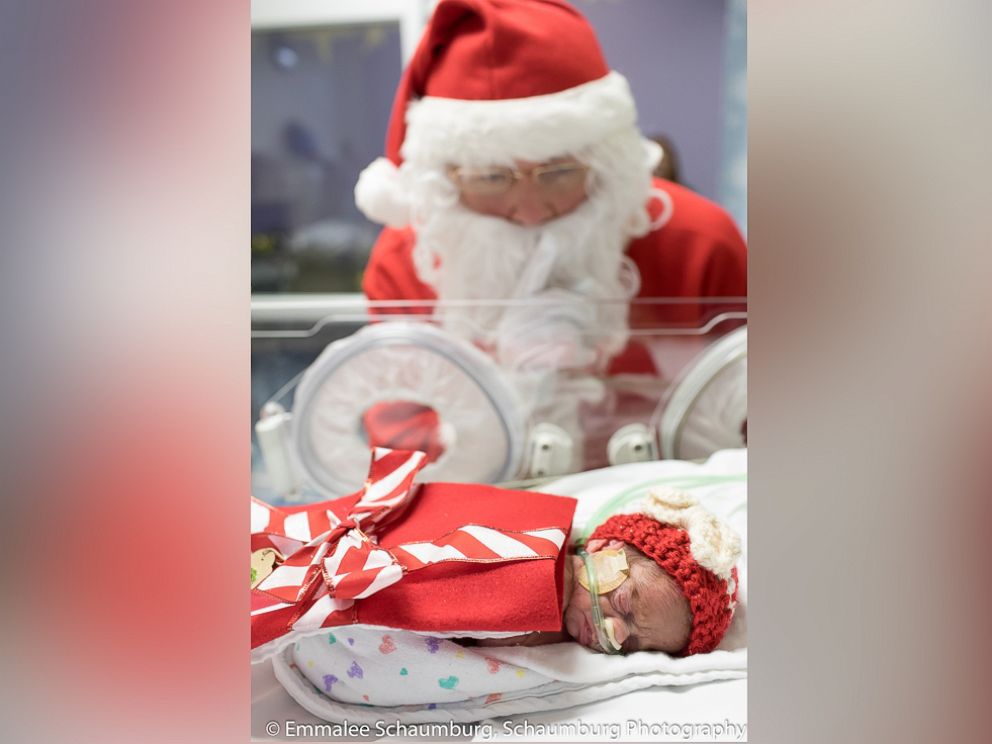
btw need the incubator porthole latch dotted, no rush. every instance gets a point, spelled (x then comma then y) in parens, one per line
(273, 434)
(631, 443)
(550, 451)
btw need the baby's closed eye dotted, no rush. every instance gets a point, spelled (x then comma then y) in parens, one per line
(622, 600)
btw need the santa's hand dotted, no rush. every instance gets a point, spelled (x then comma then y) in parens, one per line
(551, 331)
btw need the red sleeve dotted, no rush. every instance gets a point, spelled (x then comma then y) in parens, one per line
(699, 252)
(725, 273)
(390, 274)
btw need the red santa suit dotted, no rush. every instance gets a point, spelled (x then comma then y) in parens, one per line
(494, 81)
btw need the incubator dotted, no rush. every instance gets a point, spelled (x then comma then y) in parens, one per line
(334, 375)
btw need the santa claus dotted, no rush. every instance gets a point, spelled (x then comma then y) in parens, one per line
(515, 172)
(517, 194)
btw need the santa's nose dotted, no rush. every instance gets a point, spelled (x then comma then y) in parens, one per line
(530, 207)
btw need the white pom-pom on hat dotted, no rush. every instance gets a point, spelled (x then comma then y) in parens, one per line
(380, 194)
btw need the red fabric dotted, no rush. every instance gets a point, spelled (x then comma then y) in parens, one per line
(709, 601)
(496, 50)
(403, 425)
(698, 253)
(512, 597)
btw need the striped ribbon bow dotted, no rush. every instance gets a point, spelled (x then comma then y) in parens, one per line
(330, 562)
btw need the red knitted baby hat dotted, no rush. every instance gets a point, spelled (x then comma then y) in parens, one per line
(711, 598)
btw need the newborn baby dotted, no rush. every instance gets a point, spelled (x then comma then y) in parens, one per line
(662, 579)
(641, 607)
(645, 611)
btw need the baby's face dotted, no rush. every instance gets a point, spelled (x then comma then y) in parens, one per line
(647, 611)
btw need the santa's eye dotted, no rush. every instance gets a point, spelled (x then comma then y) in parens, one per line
(484, 181)
(564, 175)
(491, 177)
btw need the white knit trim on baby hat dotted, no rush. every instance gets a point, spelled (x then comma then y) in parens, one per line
(713, 544)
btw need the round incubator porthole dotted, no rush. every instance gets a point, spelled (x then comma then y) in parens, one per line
(406, 386)
(706, 409)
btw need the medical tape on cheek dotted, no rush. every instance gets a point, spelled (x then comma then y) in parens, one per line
(606, 641)
(611, 569)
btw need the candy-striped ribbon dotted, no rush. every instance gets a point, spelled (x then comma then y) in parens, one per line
(330, 562)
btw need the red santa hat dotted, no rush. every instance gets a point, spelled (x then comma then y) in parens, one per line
(492, 81)
(694, 548)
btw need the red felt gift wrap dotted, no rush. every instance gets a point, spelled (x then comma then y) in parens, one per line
(479, 589)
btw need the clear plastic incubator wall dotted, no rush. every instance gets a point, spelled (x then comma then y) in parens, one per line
(513, 392)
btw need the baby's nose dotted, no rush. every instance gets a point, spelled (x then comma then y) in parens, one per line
(620, 630)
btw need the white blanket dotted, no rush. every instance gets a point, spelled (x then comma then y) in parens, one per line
(364, 674)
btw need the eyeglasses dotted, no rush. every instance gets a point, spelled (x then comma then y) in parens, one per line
(551, 178)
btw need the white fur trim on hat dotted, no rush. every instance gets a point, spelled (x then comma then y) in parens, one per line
(380, 194)
(712, 543)
(449, 130)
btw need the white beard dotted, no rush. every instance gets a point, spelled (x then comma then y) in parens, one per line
(549, 303)
(472, 260)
